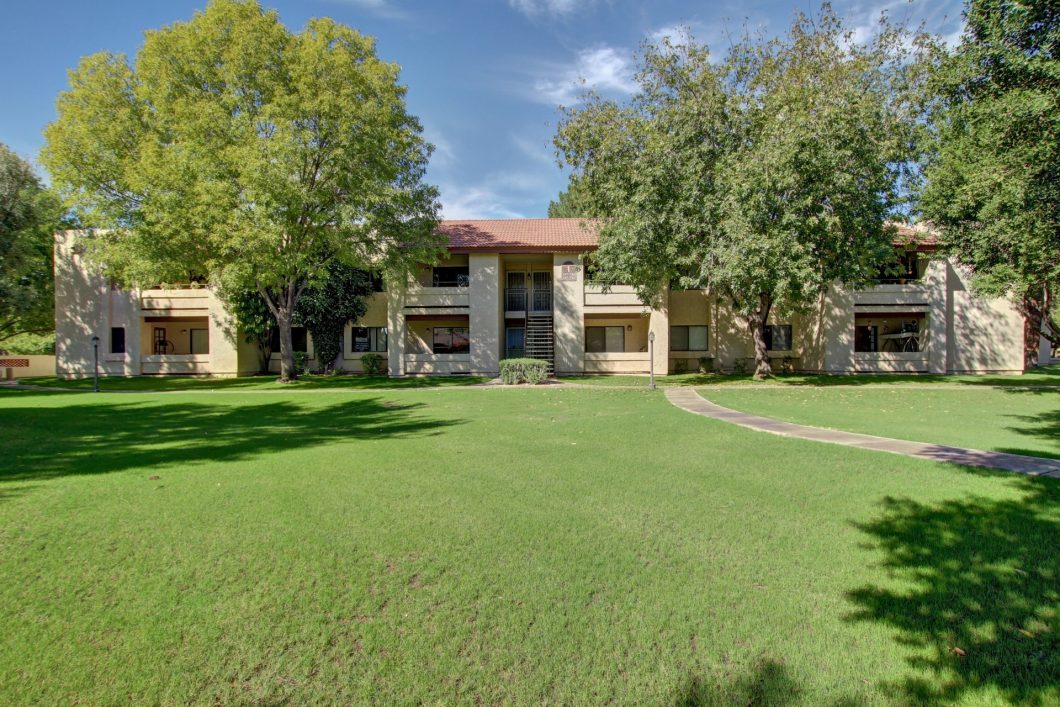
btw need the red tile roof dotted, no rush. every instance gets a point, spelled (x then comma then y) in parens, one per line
(542, 234)
(574, 234)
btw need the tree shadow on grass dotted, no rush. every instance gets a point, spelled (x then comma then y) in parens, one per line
(975, 594)
(1045, 425)
(111, 434)
(766, 682)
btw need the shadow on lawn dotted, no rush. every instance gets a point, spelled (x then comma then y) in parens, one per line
(976, 594)
(768, 682)
(1045, 425)
(113, 435)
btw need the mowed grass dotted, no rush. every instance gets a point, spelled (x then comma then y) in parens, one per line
(1019, 421)
(1039, 377)
(270, 383)
(522, 546)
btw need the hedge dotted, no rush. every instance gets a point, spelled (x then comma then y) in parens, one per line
(523, 370)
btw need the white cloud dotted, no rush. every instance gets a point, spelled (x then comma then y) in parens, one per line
(460, 202)
(504, 194)
(603, 69)
(542, 151)
(535, 8)
(444, 155)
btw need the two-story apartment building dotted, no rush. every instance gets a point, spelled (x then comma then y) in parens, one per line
(517, 287)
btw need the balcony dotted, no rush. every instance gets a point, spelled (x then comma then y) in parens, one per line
(176, 301)
(520, 299)
(434, 298)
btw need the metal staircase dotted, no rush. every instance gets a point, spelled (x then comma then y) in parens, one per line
(539, 338)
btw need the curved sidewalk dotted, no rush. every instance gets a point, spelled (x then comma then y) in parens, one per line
(688, 399)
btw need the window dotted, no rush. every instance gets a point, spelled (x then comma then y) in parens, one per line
(451, 339)
(117, 339)
(688, 338)
(778, 337)
(890, 332)
(451, 276)
(605, 339)
(299, 339)
(200, 341)
(516, 342)
(368, 339)
(376, 281)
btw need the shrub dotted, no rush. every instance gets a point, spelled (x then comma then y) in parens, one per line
(372, 363)
(523, 370)
(681, 365)
(301, 362)
(706, 364)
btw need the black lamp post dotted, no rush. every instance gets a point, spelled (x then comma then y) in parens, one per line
(95, 364)
(651, 360)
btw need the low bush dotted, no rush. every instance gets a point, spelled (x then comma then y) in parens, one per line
(523, 370)
(372, 363)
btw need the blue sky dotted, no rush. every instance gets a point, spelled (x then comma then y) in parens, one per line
(484, 76)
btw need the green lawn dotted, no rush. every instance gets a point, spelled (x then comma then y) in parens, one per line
(1044, 376)
(571, 546)
(257, 383)
(1020, 421)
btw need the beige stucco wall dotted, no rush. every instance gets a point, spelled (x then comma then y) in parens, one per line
(86, 305)
(39, 365)
(568, 302)
(964, 332)
(374, 316)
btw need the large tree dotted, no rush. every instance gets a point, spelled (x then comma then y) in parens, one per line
(236, 150)
(993, 179)
(765, 177)
(29, 215)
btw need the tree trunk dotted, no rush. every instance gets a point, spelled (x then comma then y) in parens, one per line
(288, 372)
(282, 307)
(1032, 330)
(756, 325)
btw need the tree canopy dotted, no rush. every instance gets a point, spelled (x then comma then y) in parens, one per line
(765, 177)
(29, 215)
(235, 150)
(993, 176)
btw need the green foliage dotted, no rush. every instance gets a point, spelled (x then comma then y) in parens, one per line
(766, 177)
(572, 202)
(523, 370)
(373, 364)
(706, 364)
(30, 344)
(235, 150)
(253, 318)
(29, 216)
(327, 305)
(301, 362)
(993, 173)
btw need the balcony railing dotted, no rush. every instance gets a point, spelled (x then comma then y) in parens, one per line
(516, 299)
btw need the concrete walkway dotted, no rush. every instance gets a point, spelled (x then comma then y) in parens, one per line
(688, 399)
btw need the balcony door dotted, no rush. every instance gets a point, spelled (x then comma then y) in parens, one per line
(515, 294)
(541, 296)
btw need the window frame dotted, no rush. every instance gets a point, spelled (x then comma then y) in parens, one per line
(688, 337)
(373, 336)
(114, 349)
(603, 329)
(451, 331)
(769, 336)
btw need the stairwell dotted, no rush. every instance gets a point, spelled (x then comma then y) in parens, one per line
(539, 338)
